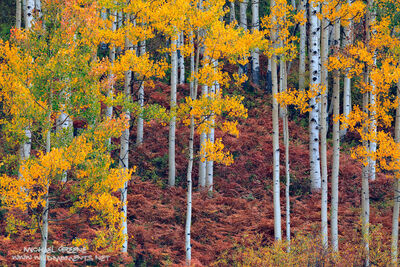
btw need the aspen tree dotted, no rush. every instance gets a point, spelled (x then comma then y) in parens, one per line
(275, 133)
(139, 131)
(302, 47)
(25, 149)
(396, 204)
(255, 55)
(336, 145)
(203, 138)
(285, 120)
(243, 24)
(181, 58)
(315, 80)
(109, 109)
(172, 123)
(18, 14)
(324, 104)
(232, 14)
(124, 151)
(348, 40)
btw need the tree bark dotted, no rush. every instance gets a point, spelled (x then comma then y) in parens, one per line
(324, 164)
(396, 204)
(255, 54)
(203, 157)
(45, 214)
(210, 163)
(348, 40)
(30, 5)
(18, 14)
(285, 120)
(139, 136)
(315, 79)
(302, 52)
(124, 155)
(275, 140)
(365, 184)
(232, 15)
(336, 149)
(181, 59)
(172, 123)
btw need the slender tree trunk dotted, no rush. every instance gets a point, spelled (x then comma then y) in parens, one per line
(371, 15)
(396, 204)
(64, 125)
(324, 163)
(203, 157)
(302, 52)
(181, 59)
(172, 123)
(193, 95)
(18, 14)
(255, 54)
(232, 15)
(188, 246)
(348, 40)
(275, 140)
(336, 149)
(45, 214)
(243, 14)
(25, 148)
(315, 79)
(365, 183)
(243, 24)
(139, 136)
(124, 155)
(109, 109)
(210, 163)
(285, 119)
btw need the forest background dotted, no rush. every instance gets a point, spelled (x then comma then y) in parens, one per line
(347, 74)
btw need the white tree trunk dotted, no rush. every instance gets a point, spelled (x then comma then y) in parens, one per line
(255, 54)
(396, 204)
(324, 164)
(336, 150)
(275, 141)
(373, 129)
(30, 5)
(139, 136)
(188, 246)
(243, 24)
(45, 214)
(64, 125)
(243, 14)
(172, 123)
(124, 155)
(210, 163)
(18, 14)
(25, 148)
(203, 138)
(109, 109)
(302, 52)
(283, 88)
(315, 79)
(348, 40)
(181, 59)
(365, 183)
(232, 15)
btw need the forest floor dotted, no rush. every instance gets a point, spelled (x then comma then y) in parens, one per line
(241, 205)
